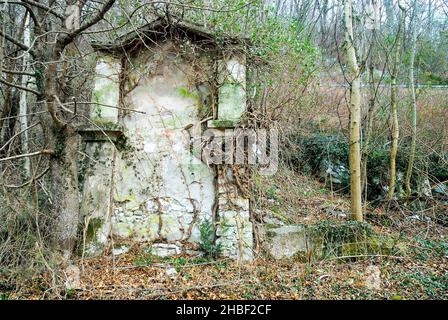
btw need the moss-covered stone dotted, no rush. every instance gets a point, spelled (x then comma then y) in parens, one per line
(327, 240)
(94, 225)
(373, 245)
(93, 245)
(222, 123)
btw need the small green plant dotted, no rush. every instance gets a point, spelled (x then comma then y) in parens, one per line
(180, 262)
(427, 248)
(188, 276)
(207, 240)
(4, 296)
(143, 260)
(70, 293)
(271, 191)
(434, 286)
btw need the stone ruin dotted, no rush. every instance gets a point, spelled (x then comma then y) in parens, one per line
(141, 179)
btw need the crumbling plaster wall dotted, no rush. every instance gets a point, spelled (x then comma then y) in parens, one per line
(151, 186)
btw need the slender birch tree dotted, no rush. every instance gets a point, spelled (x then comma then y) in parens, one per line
(413, 102)
(23, 105)
(355, 114)
(394, 107)
(372, 95)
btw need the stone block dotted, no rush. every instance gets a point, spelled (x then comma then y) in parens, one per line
(286, 241)
(165, 249)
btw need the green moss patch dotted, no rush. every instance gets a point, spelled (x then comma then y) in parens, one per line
(350, 240)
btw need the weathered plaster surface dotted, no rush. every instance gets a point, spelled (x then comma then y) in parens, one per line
(165, 191)
(106, 90)
(232, 92)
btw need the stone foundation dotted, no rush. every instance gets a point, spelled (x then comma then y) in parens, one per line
(234, 229)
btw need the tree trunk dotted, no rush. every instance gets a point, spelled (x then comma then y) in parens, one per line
(23, 108)
(394, 111)
(368, 130)
(430, 17)
(372, 97)
(63, 139)
(65, 191)
(413, 106)
(355, 115)
(48, 52)
(390, 20)
(323, 24)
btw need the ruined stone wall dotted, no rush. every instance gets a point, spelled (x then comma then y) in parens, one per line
(148, 185)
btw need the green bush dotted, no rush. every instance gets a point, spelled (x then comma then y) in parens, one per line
(327, 155)
(318, 148)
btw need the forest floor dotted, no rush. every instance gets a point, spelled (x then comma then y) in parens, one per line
(419, 273)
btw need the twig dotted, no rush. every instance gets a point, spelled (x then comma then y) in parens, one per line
(29, 181)
(366, 256)
(45, 151)
(17, 134)
(104, 105)
(19, 87)
(168, 265)
(168, 293)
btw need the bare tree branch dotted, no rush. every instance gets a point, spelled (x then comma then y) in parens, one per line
(40, 175)
(19, 72)
(42, 6)
(19, 87)
(45, 151)
(69, 38)
(29, 9)
(18, 43)
(17, 134)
